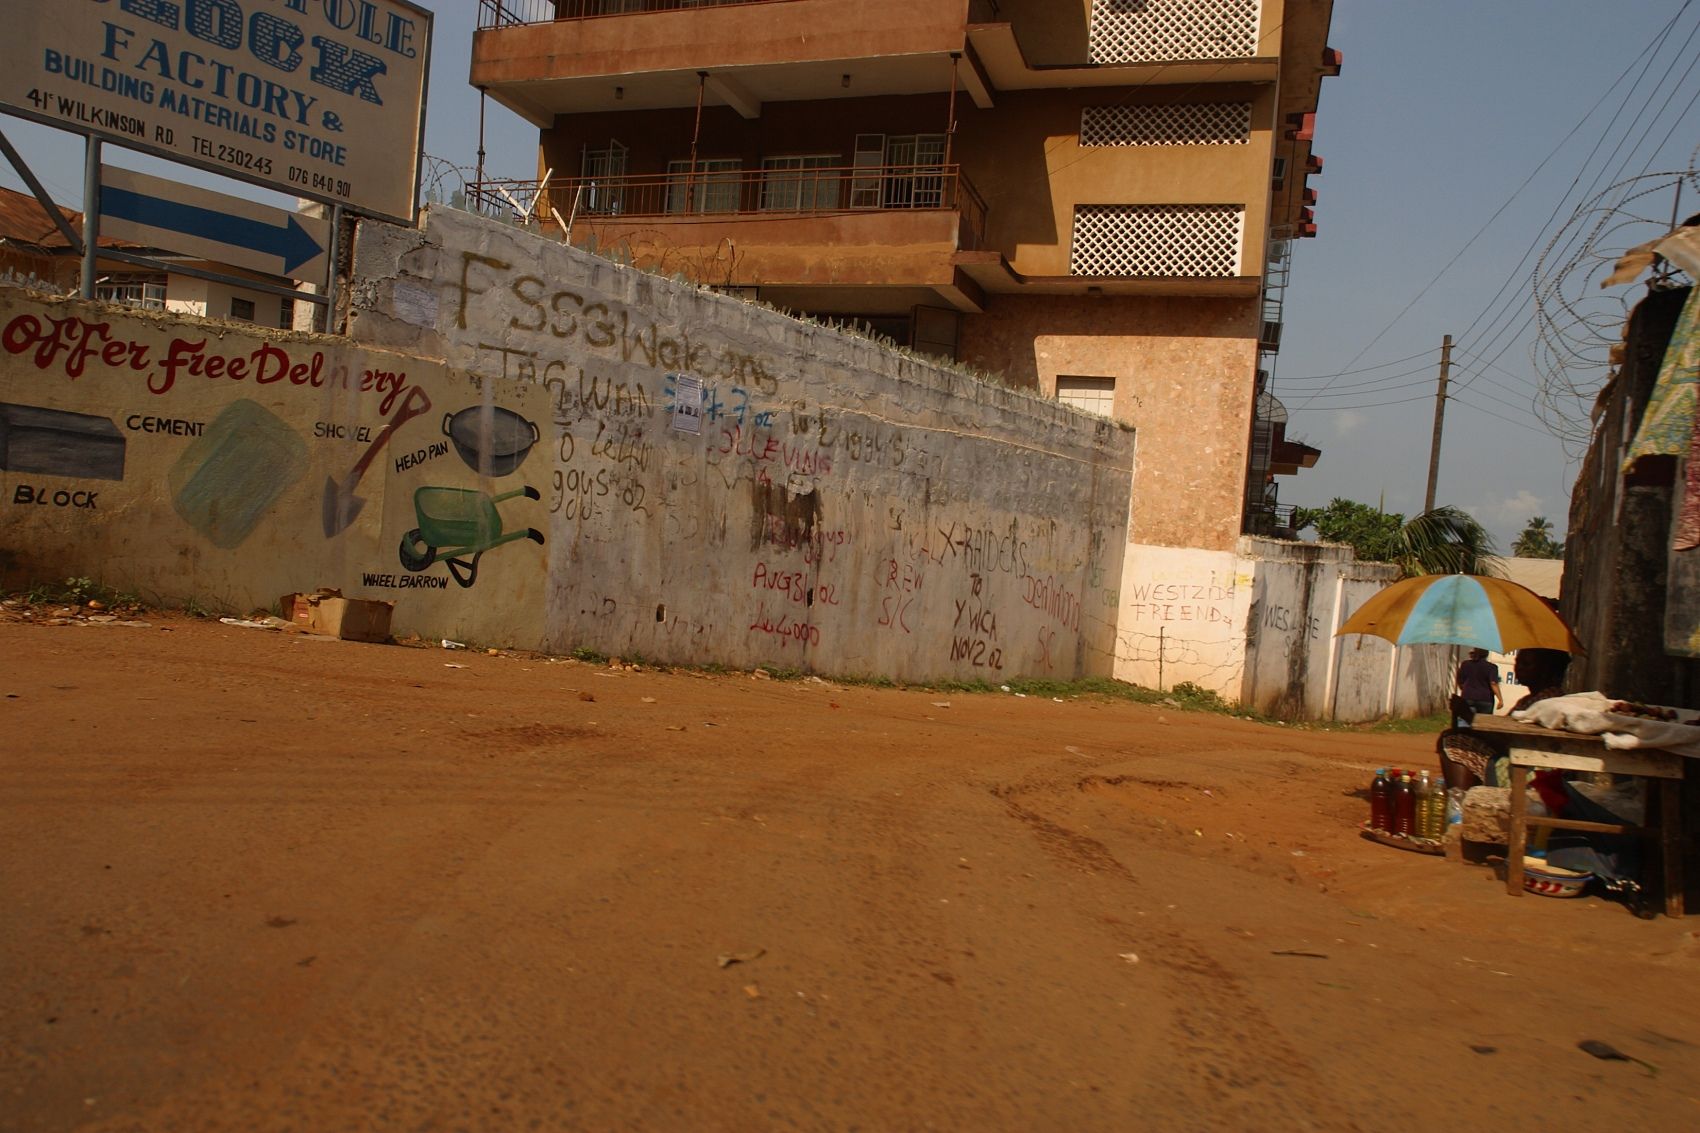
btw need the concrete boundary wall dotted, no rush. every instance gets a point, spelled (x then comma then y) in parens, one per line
(220, 463)
(721, 483)
(830, 505)
(1181, 618)
(1257, 627)
(1298, 669)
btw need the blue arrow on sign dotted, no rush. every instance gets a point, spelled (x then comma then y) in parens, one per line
(290, 242)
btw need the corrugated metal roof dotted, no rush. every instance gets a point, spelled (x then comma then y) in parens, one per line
(23, 221)
(1543, 576)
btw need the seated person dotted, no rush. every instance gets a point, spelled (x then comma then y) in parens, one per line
(1469, 759)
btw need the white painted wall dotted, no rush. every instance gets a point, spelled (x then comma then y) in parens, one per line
(1298, 669)
(188, 295)
(1257, 626)
(1181, 617)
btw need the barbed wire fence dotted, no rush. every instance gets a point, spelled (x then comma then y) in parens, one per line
(1577, 323)
(444, 182)
(1175, 658)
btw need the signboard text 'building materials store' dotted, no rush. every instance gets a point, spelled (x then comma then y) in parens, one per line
(315, 98)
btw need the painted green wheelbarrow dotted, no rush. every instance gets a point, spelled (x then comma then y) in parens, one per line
(456, 522)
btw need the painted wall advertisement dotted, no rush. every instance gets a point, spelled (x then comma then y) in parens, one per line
(316, 98)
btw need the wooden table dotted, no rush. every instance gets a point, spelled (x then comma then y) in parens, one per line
(1534, 748)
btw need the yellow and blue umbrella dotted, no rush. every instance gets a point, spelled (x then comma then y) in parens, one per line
(1463, 609)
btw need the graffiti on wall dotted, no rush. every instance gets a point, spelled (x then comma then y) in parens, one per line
(1180, 620)
(834, 504)
(1205, 599)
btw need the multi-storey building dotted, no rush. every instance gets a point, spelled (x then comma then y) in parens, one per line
(1094, 198)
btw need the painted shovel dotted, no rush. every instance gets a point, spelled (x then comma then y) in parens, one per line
(341, 504)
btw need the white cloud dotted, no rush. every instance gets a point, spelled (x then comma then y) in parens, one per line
(1347, 421)
(1517, 510)
(1506, 516)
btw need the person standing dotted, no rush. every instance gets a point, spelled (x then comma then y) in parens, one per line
(1478, 683)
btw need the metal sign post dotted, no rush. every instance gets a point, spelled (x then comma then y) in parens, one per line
(331, 274)
(91, 213)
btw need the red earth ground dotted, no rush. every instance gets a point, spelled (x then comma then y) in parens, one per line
(263, 881)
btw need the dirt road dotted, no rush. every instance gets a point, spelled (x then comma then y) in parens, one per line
(255, 881)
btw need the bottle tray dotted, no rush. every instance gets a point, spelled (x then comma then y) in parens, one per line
(1400, 841)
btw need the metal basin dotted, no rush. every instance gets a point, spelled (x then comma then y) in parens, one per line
(493, 451)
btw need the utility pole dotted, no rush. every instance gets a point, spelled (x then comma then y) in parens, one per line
(1439, 418)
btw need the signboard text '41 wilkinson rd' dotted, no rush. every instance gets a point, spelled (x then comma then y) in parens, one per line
(316, 98)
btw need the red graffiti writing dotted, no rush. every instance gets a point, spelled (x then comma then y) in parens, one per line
(792, 583)
(894, 611)
(898, 576)
(1051, 596)
(768, 449)
(785, 629)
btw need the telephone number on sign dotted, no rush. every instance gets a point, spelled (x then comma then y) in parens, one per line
(230, 155)
(318, 182)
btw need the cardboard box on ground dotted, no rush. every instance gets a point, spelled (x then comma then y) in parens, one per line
(326, 611)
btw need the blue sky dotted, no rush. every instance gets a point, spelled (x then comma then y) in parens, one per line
(1443, 116)
(1458, 140)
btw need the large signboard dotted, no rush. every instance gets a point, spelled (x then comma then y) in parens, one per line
(317, 98)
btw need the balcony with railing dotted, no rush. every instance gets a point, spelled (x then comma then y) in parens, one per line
(729, 195)
(867, 226)
(514, 13)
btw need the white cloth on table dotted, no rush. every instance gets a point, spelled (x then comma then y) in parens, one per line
(1589, 713)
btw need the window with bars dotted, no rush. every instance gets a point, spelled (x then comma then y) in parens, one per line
(1160, 31)
(1092, 395)
(796, 183)
(602, 170)
(133, 288)
(923, 188)
(1177, 124)
(712, 188)
(1157, 240)
(903, 171)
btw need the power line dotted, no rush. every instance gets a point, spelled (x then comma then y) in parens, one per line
(1475, 357)
(1498, 401)
(1507, 420)
(1515, 194)
(1391, 381)
(1366, 405)
(1359, 370)
(1647, 55)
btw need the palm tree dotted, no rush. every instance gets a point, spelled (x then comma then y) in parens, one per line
(1536, 541)
(1446, 540)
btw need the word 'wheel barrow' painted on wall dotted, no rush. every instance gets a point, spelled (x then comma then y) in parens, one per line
(455, 522)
